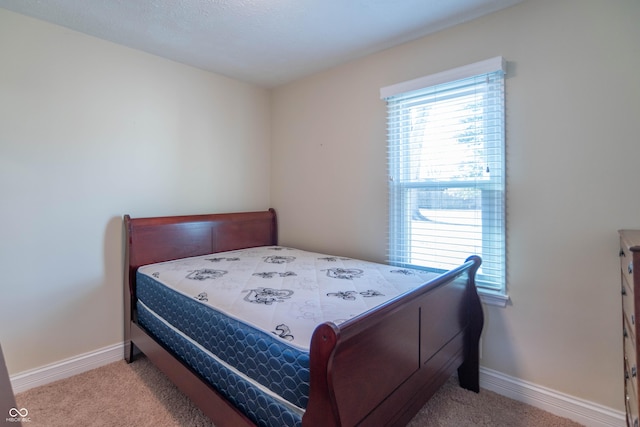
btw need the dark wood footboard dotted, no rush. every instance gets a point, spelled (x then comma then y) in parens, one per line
(378, 368)
(382, 367)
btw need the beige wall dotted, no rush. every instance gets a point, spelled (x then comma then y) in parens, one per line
(573, 120)
(90, 131)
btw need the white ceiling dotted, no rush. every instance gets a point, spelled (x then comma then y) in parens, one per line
(265, 42)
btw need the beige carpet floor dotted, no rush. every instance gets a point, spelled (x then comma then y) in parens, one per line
(137, 394)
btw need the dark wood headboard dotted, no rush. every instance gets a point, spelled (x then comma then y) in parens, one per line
(159, 239)
(150, 240)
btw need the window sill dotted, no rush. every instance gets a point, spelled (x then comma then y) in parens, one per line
(493, 298)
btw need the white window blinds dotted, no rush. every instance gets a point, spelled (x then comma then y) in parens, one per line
(447, 171)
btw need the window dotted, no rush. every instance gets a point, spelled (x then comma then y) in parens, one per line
(446, 159)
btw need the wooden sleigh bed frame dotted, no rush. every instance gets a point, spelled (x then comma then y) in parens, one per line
(421, 337)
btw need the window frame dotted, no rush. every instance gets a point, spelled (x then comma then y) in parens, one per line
(490, 293)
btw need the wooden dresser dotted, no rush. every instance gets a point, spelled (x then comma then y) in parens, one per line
(630, 277)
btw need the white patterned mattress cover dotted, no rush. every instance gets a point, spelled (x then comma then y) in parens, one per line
(285, 291)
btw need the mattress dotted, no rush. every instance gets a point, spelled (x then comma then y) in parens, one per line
(244, 319)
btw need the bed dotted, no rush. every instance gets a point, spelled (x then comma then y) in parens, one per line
(377, 367)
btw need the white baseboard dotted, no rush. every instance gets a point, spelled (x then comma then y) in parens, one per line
(581, 411)
(584, 412)
(66, 368)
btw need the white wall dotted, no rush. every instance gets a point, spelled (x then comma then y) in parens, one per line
(90, 131)
(573, 120)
